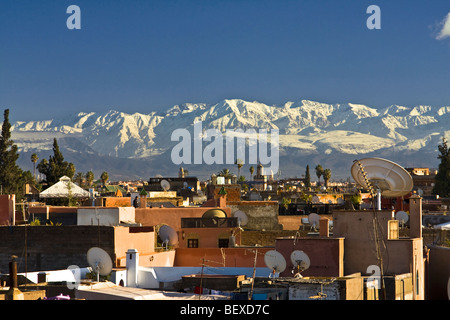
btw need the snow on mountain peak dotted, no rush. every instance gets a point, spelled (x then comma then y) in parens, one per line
(306, 126)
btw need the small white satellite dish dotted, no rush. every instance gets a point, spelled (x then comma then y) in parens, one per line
(313, 219)
(402, 216)
(386, 176)
(420, 192)
(168, 235)
(275, 261)
(448, 288)
(300, 261)
(100, 261)
(185, 184)
(165, 185)
(242, 217)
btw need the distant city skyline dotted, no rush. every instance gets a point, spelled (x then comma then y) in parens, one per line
(144, 56)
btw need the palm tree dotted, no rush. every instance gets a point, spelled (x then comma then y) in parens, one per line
(89, 178)
(239, 164)
(251, 172)
(79, 177)
(34, 159)
(326, 176)
(319, 172)
(225, 173)
(104, 177)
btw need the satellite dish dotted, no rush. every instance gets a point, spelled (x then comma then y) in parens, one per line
(275, 261)
(315, 199)
(300, 261)
(168, 235)
(386, 176)
(100, 261)
(448, 288)
(313, 219)
(242, 217)
(402, 216)
(185, 184)
(165, 185)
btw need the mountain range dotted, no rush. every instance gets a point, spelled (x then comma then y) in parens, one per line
(138, 146)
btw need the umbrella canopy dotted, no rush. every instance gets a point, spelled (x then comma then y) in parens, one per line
(63, 189)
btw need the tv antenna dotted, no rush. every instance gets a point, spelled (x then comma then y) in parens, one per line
(382, 178)
(300, 261)
(275, 262)
(168, 235)
(165, 185)
(100, 261)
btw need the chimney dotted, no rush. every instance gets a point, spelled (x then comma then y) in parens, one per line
(415, 216)
(13, 293)
(132, 267)
(143, 194)
(13, 273)
(324, 230)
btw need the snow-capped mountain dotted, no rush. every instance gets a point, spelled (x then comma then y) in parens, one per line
(309, 133)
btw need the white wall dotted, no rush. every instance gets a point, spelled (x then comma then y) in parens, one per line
(105, 216)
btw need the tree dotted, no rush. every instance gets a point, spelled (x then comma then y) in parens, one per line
(326, 176)
(252, 169)
(307, 177)
(79, 178)
(319, 172)
(285, 202)
(56, 166)
(442, 178)
(225, 173)
(11, 175)
(34, 159)
(89, 178)
(104, 177)
(239, 164)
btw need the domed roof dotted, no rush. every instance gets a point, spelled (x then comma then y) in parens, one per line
(214, 213)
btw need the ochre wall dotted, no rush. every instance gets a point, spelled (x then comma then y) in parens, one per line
(215, 257)
(171, 216)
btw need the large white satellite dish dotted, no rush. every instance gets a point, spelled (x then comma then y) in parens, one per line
(300, 261)
(275, 261)
(100, 261)
(168, 235)
(165, 185)
(386, 176)
(242, 217)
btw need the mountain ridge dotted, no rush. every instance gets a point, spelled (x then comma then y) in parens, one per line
(310, 131)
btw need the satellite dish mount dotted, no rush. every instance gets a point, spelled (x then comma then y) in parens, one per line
(100, 261)
(382, 178)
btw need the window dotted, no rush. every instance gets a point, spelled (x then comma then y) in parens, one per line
(192, 243)
(223, 243)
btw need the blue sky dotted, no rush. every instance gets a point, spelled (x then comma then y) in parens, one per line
(143, 56)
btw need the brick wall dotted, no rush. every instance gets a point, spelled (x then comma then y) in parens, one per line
(50, 247)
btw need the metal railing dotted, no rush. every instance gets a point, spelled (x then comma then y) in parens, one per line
(209, 222)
